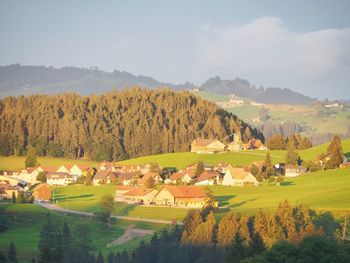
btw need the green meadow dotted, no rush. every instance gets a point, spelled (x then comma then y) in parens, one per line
(25, 222)
(323, 190)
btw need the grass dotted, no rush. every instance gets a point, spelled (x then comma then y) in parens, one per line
(86, 198)
(15, 163)
(324, 190)
(25, 221)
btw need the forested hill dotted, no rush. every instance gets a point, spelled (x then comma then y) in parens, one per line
(26, 80)
(112, 126)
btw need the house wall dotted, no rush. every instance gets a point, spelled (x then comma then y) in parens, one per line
(291, 173)
(76, 171)
(63, 169)
(145, 199)
(250, 179)
(164, 197)
(190, 202)
(228, 180)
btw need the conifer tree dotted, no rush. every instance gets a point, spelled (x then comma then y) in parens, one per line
(2, 257)
(335, 153)
(30, 160)
(12, 254)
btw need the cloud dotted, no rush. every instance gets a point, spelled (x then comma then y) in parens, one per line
(265, 52)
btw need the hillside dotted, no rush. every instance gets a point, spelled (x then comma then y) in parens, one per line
(315, 121)
(182, 160)
(113, 126)
(26, 80)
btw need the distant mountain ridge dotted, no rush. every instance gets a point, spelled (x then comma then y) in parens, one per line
(26, 80)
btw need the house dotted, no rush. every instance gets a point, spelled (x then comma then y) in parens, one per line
(14, 181)
(186, 176)
(42, 193)
(294, 170)
(80, 169)
(208, 178)
(104, 177)
(30, 174)
(156, 177)
(140, 195)
(120, 191)
(256, 144)
(207, 146)
(7, 190)
(64, 169)
(58, 178)
(108, 166)
(238, 177)
(181, 196)
(221, 167)
(128, 168)
(126, 178)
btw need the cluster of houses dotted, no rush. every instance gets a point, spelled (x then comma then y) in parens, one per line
(175, 196)
(215, 146)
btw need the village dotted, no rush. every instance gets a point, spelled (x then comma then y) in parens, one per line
(146, 184)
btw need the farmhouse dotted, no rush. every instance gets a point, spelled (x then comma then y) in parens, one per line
(181, 196)
(42, 192)
(126, 178)
(207, 146)
(104, 177)
(6, 190)
(208, 178)
(80, 169)
(156, 177)
(186, 176)
(294, 171)
(238, 177)
(140, 195)
(58, 178)
(236, 145)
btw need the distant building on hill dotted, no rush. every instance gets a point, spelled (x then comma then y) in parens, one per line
(294, 170)
(207, 146)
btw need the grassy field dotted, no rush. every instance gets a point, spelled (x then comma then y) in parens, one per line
(323, 190)
(15, 163)
(25, 221)
(86, 198)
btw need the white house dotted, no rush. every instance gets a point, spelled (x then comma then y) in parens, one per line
(238, 177)
(58, 178)
(208, 178)
(186, 176)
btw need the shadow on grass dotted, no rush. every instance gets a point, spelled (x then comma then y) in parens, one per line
(287, 183)
(68, 197)
(224, 199)
(125, 210)
(347, 155)
(242, 203)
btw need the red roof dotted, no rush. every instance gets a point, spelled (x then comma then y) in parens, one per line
(207, 175)
(124, 187)
(185, 191)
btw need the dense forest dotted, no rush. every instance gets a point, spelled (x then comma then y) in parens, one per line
(113, 126)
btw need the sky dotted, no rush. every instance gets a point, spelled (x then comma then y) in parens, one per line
(300, 45)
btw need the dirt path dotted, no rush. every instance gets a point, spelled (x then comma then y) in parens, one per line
(130, 234)
(139, 219)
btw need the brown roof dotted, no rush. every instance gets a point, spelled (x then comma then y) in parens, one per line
(207, 175)
(105, 174)
(49, 169)
(5, 187)
(185, 191)
(203, 142)
(147, 176)
(83, 166)
(238, 173)
(139, 191)
(125, 176)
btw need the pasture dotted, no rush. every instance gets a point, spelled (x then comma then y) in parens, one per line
(25, 222)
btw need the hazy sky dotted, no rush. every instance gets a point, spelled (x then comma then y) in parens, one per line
(301, 45)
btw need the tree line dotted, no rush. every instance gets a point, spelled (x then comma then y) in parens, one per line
(113, 126)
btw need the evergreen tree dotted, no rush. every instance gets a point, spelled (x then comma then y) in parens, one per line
(48, 234)
(30, 160)
(12, 254)
(44, 256)
(3, 222)
(292, 156)
(99, 258)
(199, 169)
(335, 153)
(238, 250)
(227, 228)
(191, 221)
(2, 257)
